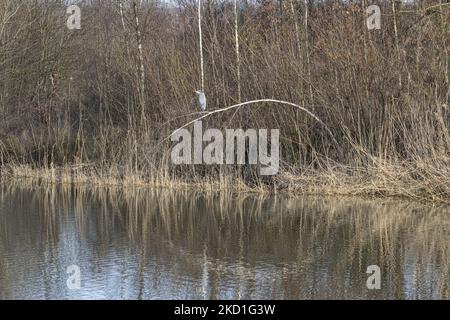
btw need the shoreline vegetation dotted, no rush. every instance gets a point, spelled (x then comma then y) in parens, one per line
(414, 181)
(93, 106)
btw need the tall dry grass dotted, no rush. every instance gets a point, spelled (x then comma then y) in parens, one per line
(96, 102)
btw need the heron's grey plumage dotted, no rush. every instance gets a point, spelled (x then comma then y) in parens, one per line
(201, 100)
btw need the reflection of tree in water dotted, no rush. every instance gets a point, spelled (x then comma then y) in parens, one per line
(223, 245)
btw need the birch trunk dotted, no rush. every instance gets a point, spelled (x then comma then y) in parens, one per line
(308, 58)
(140, 56)
(202, 72)
(238, 60)
(297, 33)
(397, 46)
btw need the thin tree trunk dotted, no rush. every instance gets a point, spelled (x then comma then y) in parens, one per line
(238, 60)
(140, 57)
(366, 34)
(125, 32)
(297, 32)
(308, 59)
(201, 45)
(445, 34)
(397, 46)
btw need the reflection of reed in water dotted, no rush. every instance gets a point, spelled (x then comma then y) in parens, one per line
(242, 246)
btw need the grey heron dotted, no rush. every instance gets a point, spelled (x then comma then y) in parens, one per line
(201, 100)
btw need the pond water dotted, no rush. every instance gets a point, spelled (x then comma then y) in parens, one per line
(162, 244)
